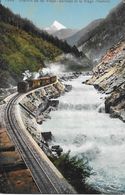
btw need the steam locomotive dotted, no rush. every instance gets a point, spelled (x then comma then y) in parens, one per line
(30, 84)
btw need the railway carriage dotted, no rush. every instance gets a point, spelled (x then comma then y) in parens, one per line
(29, 84)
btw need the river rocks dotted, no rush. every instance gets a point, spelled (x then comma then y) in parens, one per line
(47, 136)
(101, 109)
(69, 76)
(109, 77)
(68, 88)
(115, 103)
(57, 149)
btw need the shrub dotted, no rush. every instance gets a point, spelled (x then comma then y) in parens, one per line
(76, 170)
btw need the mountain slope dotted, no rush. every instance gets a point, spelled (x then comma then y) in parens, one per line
(20, 51)
(64, 33)
(104, 36)
(8, 17)
(73, 40)
(23, 46)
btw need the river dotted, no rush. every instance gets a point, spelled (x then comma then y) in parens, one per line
(78, 126)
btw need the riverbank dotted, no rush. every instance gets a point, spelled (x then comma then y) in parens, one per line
(109, 77)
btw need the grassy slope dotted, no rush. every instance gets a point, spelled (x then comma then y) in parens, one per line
(20, 51)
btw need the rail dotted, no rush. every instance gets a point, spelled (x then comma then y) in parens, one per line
(45, 178)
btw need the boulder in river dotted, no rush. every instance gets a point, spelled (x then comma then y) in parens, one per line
(47, 136)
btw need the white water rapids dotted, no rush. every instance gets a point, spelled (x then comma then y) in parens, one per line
(78, 126)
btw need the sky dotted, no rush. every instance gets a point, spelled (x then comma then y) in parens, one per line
(74, 14)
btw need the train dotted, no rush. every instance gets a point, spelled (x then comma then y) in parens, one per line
(30, 84)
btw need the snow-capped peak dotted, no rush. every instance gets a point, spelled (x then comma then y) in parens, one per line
(55, 27)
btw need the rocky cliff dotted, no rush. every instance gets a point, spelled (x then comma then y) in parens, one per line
(109, 77)
(96, 42)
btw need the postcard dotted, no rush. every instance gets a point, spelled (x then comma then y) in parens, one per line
(62, 96)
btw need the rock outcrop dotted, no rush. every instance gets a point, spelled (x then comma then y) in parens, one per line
(109, 77)
(40, 102)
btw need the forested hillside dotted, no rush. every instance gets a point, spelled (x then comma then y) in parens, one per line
(23, 46)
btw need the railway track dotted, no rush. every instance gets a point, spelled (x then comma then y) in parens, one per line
(45, 178)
